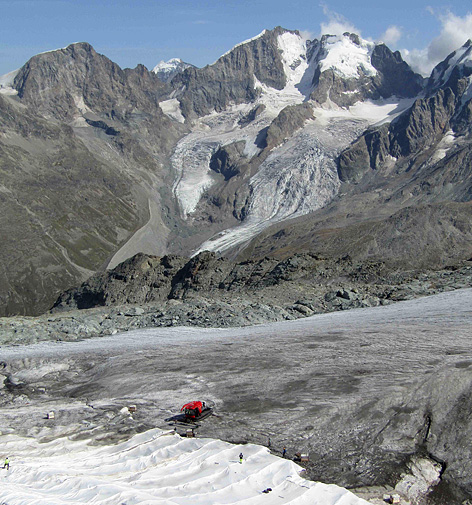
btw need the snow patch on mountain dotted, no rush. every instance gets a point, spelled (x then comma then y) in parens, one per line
(6, 83)
(171, 108)
(374, 112)
(347, 58)
(294, 59)
(167, 66)
(80, 104)
(298, 72)
(443, 147)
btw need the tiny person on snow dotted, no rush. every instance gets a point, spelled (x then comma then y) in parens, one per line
(7, 463)
(240, 457)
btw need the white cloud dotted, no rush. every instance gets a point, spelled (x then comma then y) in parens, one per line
(337, 24)
(418, 60)
(455, 32)
(307, 34)
(392, 35)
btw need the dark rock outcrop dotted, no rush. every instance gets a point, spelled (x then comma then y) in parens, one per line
(420, 127)
(231, 78)
(289, 120)
(227, 160)
(141, 279)
(252, 115)
(395, 77)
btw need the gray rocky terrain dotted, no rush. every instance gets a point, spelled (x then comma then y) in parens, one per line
(210, 291)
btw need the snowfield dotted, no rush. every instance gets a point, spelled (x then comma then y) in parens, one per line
(156, 467)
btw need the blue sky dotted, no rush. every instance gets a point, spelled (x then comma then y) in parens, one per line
(199, 31)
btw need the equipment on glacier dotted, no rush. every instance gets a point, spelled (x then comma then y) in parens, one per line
(196, 410)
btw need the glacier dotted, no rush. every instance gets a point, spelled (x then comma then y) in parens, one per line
(300, 175)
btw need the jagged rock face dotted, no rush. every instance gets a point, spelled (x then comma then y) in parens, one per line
(455, 66)
(76, 82)
(63, 83)
(349, 69)
(141, 279)
(285, 124)
(421, 127)
(231, 78)
(395, 76)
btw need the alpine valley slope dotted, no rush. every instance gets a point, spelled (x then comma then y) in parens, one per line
(99, 163)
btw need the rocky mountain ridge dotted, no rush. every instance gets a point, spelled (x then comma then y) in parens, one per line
(209, 291)
(338, 130)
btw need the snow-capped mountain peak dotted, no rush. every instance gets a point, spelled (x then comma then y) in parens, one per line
(244, 42)
(166, 70)
(347, 55)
